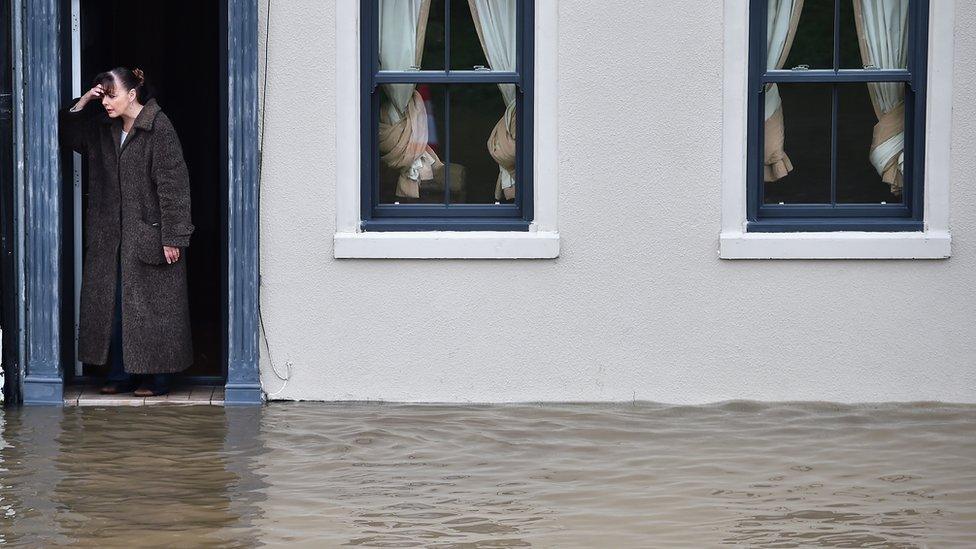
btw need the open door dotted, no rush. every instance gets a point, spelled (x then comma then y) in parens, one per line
(177, 43)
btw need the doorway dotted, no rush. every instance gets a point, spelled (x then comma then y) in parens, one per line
(178, 45)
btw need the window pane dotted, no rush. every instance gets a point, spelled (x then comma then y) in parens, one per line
(860, 162)
(404, 28)
(804, 130)
(433, 58)
(812, 37)
(483, 143)
(410, 130)
(496, 20)
(874, 32)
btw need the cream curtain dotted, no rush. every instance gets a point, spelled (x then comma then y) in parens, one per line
(495, 21)
(403, 118)
(882, 32)
(781, 23)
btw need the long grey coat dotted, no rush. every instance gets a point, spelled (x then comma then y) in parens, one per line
(139, 200)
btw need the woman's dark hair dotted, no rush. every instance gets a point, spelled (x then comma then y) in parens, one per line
(131, 79)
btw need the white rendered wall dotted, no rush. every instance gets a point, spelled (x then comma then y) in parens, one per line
(638, 305)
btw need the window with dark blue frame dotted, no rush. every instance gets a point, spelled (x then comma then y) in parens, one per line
(447, 115)
(836, 115)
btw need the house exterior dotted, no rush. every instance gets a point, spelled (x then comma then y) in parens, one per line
(644, 221)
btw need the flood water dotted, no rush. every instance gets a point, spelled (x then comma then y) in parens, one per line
(374, 475)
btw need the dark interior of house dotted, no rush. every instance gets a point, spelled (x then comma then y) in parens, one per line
(177, 44)
(8, 304)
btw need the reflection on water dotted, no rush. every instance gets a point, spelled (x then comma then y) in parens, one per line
(747, 474)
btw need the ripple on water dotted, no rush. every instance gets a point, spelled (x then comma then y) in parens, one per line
(561, 475)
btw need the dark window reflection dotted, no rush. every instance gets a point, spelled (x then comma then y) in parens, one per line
(806, 114)
(433, 58)
(475, 111)
(850, 49)
(466, 50)
(858, 181)
(814, 41)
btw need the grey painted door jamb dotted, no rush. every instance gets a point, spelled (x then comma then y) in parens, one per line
(243, 376)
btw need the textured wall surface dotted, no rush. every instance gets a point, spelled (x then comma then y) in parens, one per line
(638, 306)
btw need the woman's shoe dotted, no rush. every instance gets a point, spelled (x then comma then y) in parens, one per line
(154, 385)
(150, 391)
(115, 387)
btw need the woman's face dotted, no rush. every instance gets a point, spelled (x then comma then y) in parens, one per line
(117, 99)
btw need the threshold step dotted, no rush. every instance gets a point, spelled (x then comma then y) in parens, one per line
(88, 395)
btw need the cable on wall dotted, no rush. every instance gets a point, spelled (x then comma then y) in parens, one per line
(264, 102)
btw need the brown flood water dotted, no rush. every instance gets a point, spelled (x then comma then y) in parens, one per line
(374, 475)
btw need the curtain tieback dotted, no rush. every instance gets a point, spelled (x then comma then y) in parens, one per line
(403, 146)
(777, 164)
(501, 146)
(422, 168)
(888, 147)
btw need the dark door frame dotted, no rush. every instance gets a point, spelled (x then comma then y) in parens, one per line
(40, 184)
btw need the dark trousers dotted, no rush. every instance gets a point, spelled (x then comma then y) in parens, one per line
(117, 373)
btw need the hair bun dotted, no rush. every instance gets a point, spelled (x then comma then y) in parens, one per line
(140, 75)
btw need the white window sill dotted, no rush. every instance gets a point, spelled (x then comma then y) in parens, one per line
(447, 245)
(835, 245)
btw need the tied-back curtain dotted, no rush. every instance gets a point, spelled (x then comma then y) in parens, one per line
(882, 32)
(495, 21)
(781, 23)
(403, 118)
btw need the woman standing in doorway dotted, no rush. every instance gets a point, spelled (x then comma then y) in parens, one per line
(137, 230)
